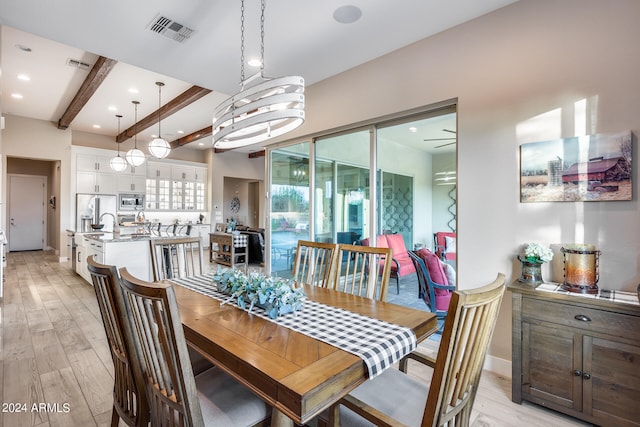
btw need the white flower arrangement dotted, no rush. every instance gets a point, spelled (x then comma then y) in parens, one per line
(535, 252)
(275, 295)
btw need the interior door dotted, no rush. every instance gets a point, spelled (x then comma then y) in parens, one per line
(26, 212)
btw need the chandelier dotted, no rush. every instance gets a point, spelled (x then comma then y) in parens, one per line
(134, 156)
(159, 148)
(117, 163)
(264, 108)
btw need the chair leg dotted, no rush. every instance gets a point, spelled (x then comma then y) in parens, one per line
(398, 285)
(115, 419)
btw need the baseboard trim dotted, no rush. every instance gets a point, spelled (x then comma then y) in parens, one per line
(498, 366)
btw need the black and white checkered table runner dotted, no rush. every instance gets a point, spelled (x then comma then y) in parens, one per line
(604, 294)
(380, 344)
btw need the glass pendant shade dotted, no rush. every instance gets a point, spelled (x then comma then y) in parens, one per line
(159, 148)
(135, 157)
(117, 163)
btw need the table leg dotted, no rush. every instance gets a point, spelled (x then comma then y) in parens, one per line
(278, 419)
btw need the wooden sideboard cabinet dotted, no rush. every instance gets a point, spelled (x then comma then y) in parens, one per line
(577, 354)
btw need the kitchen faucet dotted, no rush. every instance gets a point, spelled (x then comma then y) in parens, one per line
(115, 223)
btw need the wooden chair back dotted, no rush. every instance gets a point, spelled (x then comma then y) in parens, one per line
(363, 271)
(158, 337)
(467, 332)
(176, 257)
(314, 263)
(129, 398)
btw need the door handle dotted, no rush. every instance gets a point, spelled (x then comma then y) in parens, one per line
(582, 318)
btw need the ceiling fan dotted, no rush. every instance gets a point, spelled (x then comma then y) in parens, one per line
(454, 139)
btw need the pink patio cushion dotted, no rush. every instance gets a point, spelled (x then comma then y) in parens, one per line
(437, 274)
(399, 253)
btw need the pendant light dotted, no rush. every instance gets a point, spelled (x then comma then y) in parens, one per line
(264, 108)
(159, 148)
(117, 163)
(134, 156)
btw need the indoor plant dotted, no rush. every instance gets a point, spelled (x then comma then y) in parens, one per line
(535, 255)
(274, 295)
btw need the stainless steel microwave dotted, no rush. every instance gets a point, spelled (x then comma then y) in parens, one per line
(131, 202)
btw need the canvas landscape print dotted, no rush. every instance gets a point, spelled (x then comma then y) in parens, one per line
(584, 168)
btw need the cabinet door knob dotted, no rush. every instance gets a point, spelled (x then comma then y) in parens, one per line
(582, 318)
(577, 373)
(586, 376)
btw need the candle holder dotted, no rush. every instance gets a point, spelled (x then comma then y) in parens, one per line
(581, 268)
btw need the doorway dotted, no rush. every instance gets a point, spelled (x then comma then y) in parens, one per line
(27, 214)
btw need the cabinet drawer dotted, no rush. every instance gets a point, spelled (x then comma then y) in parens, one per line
(595, 320)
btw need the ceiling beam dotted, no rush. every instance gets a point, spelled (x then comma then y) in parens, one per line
(257, 154)
(199, 134)
(96, 76)
(176, 104)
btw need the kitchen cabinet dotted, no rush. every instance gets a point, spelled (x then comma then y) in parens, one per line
(158, 170)
(93, 163)
(121, 251)
(128, 183)
(576, 354)
(96, 182)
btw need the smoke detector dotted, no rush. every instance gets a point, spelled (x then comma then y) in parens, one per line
(170, 29)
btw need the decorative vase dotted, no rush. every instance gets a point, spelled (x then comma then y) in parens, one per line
(531, 272)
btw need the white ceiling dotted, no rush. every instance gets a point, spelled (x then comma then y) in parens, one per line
(301, 38)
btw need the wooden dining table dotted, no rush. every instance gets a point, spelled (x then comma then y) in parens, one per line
(298, 375)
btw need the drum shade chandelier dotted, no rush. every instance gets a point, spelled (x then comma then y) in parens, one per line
(159, 148)
(264, 108)
(117, 163)
(134, 156)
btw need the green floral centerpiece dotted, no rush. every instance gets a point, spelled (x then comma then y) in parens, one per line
(275, 295)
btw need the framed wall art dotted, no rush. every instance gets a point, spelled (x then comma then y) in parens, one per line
(583, 168)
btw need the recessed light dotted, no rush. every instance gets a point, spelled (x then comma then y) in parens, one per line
(180, 132)
(96, 126)
(347, 14)
(413, 129)
(24, 77)
(23, 47)
(112, 108)
(133, 90)
(255, 62)
(200, 144)
(16, 96)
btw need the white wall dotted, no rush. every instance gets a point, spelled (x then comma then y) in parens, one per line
(233, 165)
(507, 68)
(40, 140)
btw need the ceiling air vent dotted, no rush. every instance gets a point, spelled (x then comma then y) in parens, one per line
(75, 63)
(170, 28)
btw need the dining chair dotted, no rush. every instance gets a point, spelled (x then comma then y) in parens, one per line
(363, 271)
(448, 400)
(176, 257)
(177, 397)
(129, 400)
(314, 263)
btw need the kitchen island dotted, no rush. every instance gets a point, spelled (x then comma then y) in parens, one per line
(126, 250)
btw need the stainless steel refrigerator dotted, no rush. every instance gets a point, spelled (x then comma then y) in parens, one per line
(89, 209)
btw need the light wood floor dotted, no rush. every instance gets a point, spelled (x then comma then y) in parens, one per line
(55, 355)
